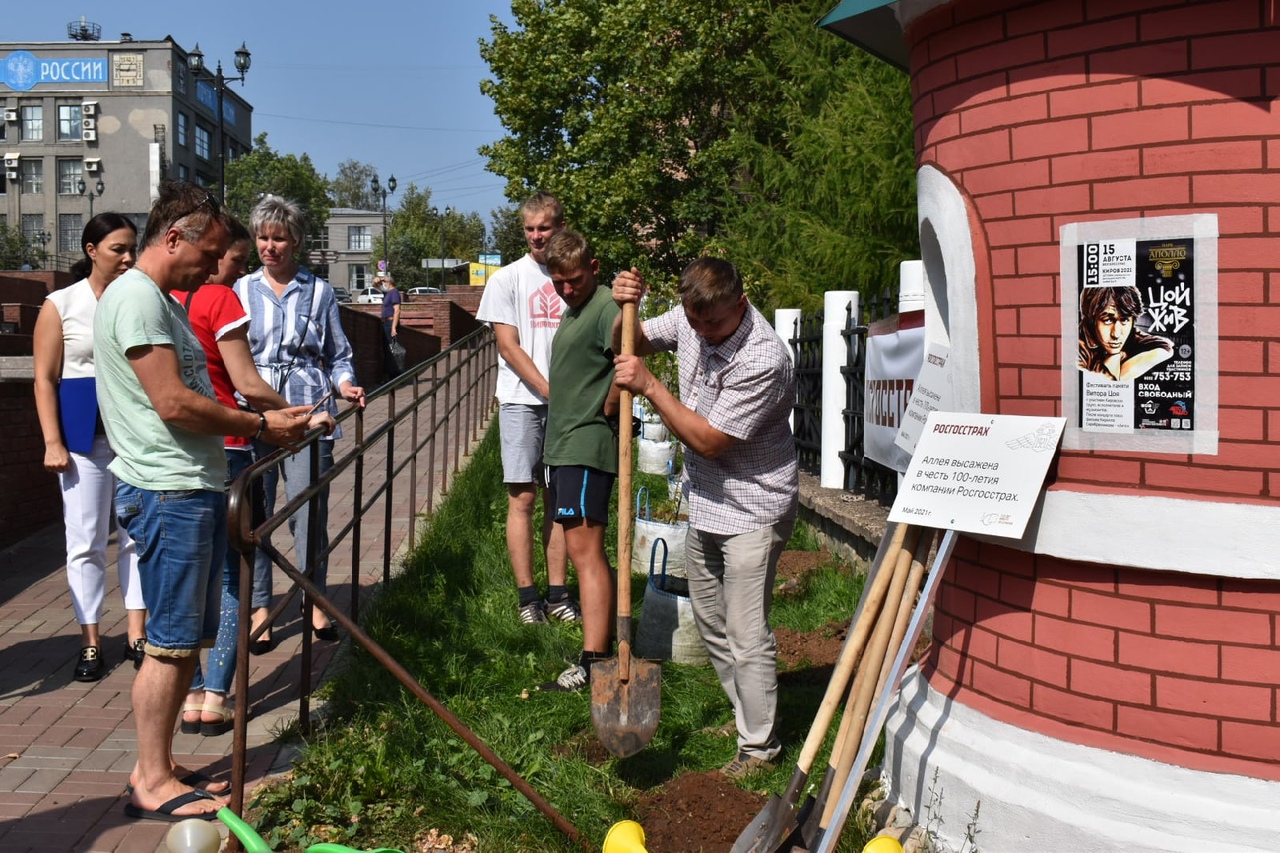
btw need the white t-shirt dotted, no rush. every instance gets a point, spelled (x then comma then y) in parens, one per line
(521, 295)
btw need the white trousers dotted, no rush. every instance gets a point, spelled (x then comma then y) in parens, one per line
(731, 590)
(88, 494)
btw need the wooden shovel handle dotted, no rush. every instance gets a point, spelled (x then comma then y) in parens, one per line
(624, 499)
(853, 647)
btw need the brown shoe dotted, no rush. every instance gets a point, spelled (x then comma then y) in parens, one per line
(745, 765)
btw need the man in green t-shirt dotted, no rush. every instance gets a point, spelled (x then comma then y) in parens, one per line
(582, 445)
(166, 427)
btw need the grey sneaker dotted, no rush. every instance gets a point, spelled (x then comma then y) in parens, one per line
(563, 611)
(745, 765)
(571, 680)
(532, 614)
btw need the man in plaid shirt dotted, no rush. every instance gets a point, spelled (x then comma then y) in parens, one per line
(737, 389)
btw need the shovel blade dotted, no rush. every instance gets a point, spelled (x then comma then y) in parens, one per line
(767, 829)
(625, 712)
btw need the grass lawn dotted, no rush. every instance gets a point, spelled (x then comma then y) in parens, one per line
(384, 770)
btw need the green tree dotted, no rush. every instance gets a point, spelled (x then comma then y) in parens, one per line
(671, 128)
(351, 186)
(264, 170)
(507, 237)
(828, 188)
(622, 109)
(16, 250)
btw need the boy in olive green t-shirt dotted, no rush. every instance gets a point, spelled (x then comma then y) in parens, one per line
(581, 452)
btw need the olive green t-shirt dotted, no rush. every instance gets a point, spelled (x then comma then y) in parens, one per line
(580, 377)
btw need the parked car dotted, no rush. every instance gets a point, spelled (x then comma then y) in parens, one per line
(368, 296)
(422, 291)
(342, 293)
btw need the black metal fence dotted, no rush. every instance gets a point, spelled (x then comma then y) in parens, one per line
(861, 475)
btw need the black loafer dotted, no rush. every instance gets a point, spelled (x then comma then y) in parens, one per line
(134, 652)
(328, 633)
(89, 667)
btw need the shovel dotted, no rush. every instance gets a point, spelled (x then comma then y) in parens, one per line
(626, 692)
(779, 817)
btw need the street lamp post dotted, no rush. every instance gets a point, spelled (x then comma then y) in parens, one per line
(195, 61)
(379, 190)
(443, 217)
(99, 188)
(42, 237)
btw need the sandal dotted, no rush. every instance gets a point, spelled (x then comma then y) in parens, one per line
(191, 727)
(226, 719)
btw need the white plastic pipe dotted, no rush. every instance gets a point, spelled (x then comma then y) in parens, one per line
(835, 355)
(910, 286)
(786, 322)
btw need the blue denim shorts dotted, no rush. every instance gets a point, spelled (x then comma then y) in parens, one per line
(181, 540)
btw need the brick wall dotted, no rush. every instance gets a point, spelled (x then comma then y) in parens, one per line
(1045, 113)
(29, 496)
(1179, 668)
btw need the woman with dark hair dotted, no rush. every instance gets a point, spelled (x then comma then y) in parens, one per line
(75, 443)
(1109, 344)
(299, 348)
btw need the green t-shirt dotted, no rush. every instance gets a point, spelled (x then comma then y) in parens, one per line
(151, 454)
(580, 377)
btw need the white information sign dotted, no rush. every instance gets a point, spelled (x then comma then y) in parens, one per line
(932, 393)
(978, 473)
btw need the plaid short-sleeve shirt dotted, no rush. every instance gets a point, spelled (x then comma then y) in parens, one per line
(744, 387)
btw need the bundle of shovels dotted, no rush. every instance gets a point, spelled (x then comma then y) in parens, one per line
(875, 655)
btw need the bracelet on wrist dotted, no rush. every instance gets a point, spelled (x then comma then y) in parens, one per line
(262, 425)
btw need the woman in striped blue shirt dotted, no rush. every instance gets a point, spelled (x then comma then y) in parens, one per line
(299, 348)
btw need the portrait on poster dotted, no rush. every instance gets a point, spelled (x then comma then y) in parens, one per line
(1136, 335)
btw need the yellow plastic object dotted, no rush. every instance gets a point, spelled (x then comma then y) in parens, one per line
(625, 836)
(882, 844)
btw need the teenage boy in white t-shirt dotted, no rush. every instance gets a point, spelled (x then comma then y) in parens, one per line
(522, 306)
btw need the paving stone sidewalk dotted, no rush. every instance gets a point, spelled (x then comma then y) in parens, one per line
(66, 748)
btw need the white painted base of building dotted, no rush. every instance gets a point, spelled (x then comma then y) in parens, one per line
(1041, 795)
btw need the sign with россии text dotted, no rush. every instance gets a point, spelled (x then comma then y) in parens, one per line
(978, 473)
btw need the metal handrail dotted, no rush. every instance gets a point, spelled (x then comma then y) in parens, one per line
(457, 388)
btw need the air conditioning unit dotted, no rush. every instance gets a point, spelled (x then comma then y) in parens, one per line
(89, 135)
(92, 164)
(89, 124)
(11, 114)
(89, 108)
(12, 174)
(11, 161)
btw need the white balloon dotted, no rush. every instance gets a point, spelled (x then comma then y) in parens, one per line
(193, 836)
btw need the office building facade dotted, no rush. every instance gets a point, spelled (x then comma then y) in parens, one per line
(126, 113)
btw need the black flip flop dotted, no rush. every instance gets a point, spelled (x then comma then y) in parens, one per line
(166, 810)
(193, 779)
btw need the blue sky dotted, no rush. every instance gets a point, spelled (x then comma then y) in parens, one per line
(393, 84)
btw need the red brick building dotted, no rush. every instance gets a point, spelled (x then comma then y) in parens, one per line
(1112, 680)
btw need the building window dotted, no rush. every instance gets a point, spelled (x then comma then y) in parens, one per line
(70, 229)
(356, 274)
(182, 173)
(182, 129)
(32, 122)
(32, 224)
(32, 177)
(3, 130)
(359, 238)
(202, 142)
(180, 77)
(69, 174)
(321, 240)
(69, 127)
